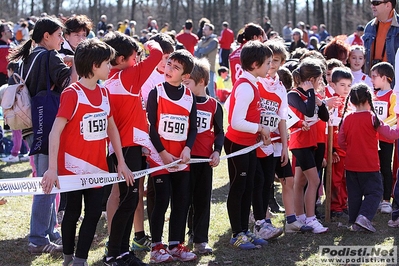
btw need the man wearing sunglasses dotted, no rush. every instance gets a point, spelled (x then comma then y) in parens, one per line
(381, 34)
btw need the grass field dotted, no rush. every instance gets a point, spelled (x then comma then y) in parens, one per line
(297, 249)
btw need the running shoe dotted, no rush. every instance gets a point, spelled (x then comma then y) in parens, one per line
(182, 253)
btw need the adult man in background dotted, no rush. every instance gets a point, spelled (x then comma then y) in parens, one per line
(287, 32)
(356, 37)
(187, 38)
(225, 41)
(208, 47)
(381, 34)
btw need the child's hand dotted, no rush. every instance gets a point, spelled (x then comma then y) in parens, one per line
(265, 135)
(50, 178)
(305, 126)
(324, 163)
(307, 85)
(335, 157)
(69, 60)
(284, 157)
(334, 102)
(185, 155)
(215, 157)
(167, 158)
(124, 171)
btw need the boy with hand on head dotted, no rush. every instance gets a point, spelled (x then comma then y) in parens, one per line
(83, 104)
(208, 144)
(172, 115)
(341, 82)
(124, 83)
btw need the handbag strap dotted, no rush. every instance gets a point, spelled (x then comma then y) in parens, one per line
(31, 65)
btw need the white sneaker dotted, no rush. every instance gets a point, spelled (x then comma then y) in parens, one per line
(301, 218)
(393, 223)
(10, 159)
(386, 207)
(182, 253)
(318, 228)
(297, 227)
(266, 231)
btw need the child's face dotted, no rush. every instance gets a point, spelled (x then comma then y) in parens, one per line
(276, 63)
(224, 75)
(342, 87)
(197, 89)
(131, 60)
(317, 82)
(162, 63)
(261, 71)
(377, 80)
(55, 40)
(356, 60)
(102, 72)
(173, 72)
(75, 38)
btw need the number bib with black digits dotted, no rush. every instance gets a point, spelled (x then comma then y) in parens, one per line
(203, 121)
(381, 109)
(270, 120)
(94, 126)
(173, 127)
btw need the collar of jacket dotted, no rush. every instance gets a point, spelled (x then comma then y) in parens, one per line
(394, 22)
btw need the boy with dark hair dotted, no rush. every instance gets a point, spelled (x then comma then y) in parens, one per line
(208, 144)
(141, 241)
(244, 129)
(124, 83)
(172, 115)
(82, 104)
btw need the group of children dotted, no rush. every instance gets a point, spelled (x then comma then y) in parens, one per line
(156, 110)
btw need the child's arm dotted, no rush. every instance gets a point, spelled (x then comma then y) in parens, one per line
(219, 136)
(387, 132)
(115, 139)
(50, 177)
(282, 128)
(391, 119)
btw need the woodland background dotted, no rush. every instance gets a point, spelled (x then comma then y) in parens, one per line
(340, 16)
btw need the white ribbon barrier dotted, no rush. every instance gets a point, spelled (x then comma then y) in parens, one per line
(33, 186)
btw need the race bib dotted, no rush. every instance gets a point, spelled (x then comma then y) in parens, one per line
(381, 109)
(270, 120)
(173, 127)
(314, 117)
(94, 126)
(334, 118)
(203, 121)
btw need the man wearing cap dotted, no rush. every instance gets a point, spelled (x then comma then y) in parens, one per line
(381, 34)
(225, 41)
(356, 37)
(187, 38)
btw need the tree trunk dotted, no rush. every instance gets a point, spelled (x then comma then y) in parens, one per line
(287, 11)
(307, 12)
(319, 12)
(133, 9)
(336, 16)
(294, 13)
(234, 15)
(349, 15)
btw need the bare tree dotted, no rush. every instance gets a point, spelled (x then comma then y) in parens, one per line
(349, 17)
(336, 17)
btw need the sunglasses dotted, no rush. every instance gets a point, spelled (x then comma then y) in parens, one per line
(377, 3)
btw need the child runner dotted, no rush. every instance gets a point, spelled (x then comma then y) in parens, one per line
(382, 76)
(243, 130)
(274, 99)
(356, 61)
(363, 177)
(341, 80)
(83, 104)
(208, 144)
(303, 139)
(172, 115)
(124, 83)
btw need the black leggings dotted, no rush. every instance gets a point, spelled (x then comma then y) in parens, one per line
(174, 186)
(122, 222)
(92, 198)
(241, 174)
(385, 154)
(264, 178)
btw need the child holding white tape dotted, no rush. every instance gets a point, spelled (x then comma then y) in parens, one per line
(84, 118)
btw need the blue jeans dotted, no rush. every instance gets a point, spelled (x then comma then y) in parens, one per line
(43, 217)
(211, 84)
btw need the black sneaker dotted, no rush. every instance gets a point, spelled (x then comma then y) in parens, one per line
(131, 260)
(275, 207)
(114, 262)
